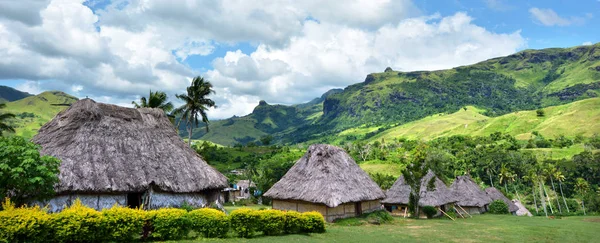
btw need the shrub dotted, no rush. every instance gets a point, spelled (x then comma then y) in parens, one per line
(77, 223)
(540, 113)
(313, 222)
(379, 217)
(498, 207)
(121, 223)
(244, 221)
(169, 223)
(26, 224)
(429, 211)
(294, 222)
(271, 222)
(209, 222)
(451, 214)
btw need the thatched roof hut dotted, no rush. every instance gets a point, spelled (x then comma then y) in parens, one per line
(326, 179)
(107, 149)
(496, 194)
(469, 195)
(522, 209)
(399, 193)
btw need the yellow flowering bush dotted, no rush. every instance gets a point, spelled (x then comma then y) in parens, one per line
(313, 222)
(78, 223)
(244, 221)
(24, 224)
(209, 222)
(169, 223)
(121, 223)
(272, 221)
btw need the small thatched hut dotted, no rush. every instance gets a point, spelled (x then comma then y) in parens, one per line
(496, 194)
(397, 197)
(469, 196)
(522, 209)
(326, 179)
(133, 157)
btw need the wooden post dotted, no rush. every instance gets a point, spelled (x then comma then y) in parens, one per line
(405, 212)
(445, 214)
(464, 210)
(457, 211)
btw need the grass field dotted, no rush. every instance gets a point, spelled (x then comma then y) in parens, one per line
(483, 228)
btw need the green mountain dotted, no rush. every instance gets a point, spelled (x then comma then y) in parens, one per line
(527, 80)
(34, 111)
(8, 94)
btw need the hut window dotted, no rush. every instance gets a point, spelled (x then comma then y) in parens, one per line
(134, 200)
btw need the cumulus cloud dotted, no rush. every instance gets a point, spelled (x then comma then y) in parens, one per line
(548, 17)
(303, 48)
(587, 43)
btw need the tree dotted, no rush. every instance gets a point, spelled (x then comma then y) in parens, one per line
(3, 118)
(532, 177)
(413, 174)
(195, 105)
(266, 140)
(582, 186)
(24, 174)
(550, 171)
(560, 178)
(540, 113)
(155, 99)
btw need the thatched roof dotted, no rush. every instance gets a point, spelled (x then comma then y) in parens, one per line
(326, 174)
(107, 148)
(399, 192)
(468, 193)
(495, 194)
(522, 209)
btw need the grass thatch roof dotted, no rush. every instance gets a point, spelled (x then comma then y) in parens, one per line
(107, 148)
(399, 192)
(326, 174)
(468, 193)
(496, 194)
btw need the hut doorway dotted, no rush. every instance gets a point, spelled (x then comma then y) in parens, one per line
(358, 208)
(134, 200)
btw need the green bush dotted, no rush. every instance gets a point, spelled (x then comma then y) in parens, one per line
(272, 221)
(429, 211)
(294, 222)
(169, 223)
(121, 223)
(209, 222)
(26, 224)
(313, 222)
(498, 207)
(244, 221)
(77, 223)
(379, 217)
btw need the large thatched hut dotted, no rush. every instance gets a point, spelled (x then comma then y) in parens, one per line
(469, 196)
(326, 179)
(133, 157)
(397, 197)
(496, 194)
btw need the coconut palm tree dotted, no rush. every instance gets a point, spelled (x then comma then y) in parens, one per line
(560, 178)
(3, 118)
(550, 171)
(157, 99)
(532, 177)
(582, 186)
(195, 105)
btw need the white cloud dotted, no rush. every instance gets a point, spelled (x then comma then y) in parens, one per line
(587, 43)
(548, 17)
(31, 87)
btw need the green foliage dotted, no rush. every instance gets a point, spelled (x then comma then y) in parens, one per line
(196, 103)
(121, 223)
(25, 224)
(244, 222)
(4, 126)
(429, 211)
(385, 181)
(266, 140)
(294, 222)
(272, 222)
(169, 223)
(498, 207)
(377, 217)
(156, 99)
(23, 172)
(78, 223)
(209, 222)
(413, 174)
(540, 113)
(314, 222)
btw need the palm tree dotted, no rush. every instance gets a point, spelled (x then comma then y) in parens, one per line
(505, 174)
(582, 186)
(3, 118)
(157, 99)
(550, 171)
(532, 177)
(560, 178)
(195, 105)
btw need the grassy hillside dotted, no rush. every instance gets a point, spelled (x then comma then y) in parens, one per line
(34, 111)
(577, 118)
(8, 94)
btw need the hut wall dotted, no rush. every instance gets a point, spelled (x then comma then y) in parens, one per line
(330, 214)
(95, 201)
(165, 199)
(474, 210)
(370, 206)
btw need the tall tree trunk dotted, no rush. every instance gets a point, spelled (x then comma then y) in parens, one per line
(563, 196)
(554, 189)
(535, 201)
(548, 198)
(505, 188)
(515, 188)
(583, 206)
(491, 182)
(542, 198)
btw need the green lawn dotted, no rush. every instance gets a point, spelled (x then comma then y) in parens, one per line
(484, 228)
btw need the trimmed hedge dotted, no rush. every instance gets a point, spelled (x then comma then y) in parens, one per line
(79, 223)
(498, 207)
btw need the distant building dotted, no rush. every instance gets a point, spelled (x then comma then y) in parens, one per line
(327, 180)
(240, 190)
(469, 195)
(496, 194)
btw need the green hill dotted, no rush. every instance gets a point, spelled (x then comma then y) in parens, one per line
(8, 94)
(34, 111)
(577, 118)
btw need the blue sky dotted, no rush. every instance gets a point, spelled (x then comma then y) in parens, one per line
(283, 52)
